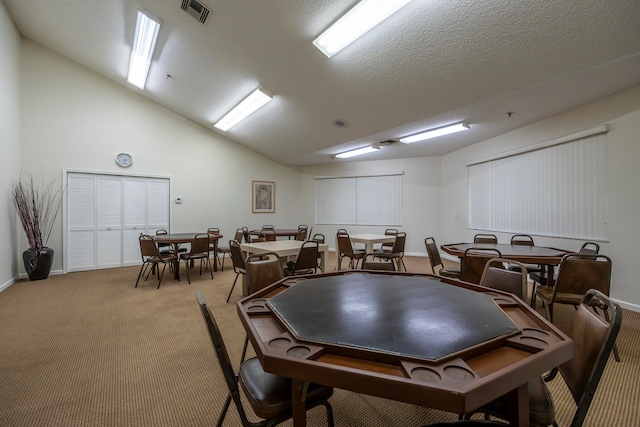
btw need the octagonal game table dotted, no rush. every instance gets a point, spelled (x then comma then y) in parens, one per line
(416, 338)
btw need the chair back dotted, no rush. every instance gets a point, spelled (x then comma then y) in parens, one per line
(268, 234)
(593, 338)
(318, 237)
(485, 238)
(213, 230)
(433, 253)
(398, 244)
(302, 233)
(238, 236)
(496, 276)
(344, 243)
(162, 232)
(268, 227)
(385, 262)
(307, 258)
(200, 244)
(580, 272)
(237, 257)
(590, 248)
(263, 269)
(522, 240)
(389, 232)
(148, 247)
(223, 356)
(474, 261)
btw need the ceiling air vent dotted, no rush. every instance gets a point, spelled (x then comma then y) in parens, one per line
(196, 9)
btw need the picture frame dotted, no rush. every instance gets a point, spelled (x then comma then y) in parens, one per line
(263, 196)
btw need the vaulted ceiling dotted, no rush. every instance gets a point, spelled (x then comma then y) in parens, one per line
(432, 63)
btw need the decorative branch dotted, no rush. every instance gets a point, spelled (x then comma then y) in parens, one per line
(37, 209)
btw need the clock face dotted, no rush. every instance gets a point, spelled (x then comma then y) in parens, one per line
(124, 160)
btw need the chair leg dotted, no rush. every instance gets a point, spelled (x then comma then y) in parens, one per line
(160, 274)
(225, 408)
(222, 266)
(616, 355)
(210, 269)
(244, 349)
(233, 286)
(186, 267)
(142, 268)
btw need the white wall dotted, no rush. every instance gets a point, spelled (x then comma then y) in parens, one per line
(622, 112)
(421, 197)
(74, 119)
(9, 143)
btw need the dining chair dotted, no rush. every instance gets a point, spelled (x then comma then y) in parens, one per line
(268, 395)
(226, 250)
(397, 250)
(345, 250)
(238, 261)
(387, 246)
(384, 262)
(485, 238)
(269, 235)
(436, 261)
(213, 246)
(496, 276)
(594, 338)
(540, 278)
(526, 240)
(306, 261)
(151, 257)
(302, 233)
(268, 227)
(199, 251)
(473, 262)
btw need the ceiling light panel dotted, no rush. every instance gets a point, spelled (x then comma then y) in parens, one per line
(357, 152)
(241, 111)
(143, 45)
(360, 19)
(434, 133)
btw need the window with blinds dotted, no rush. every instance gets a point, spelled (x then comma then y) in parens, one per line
(359, 200)
(556, 189)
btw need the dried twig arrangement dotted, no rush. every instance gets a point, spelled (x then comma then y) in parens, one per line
(37, 209)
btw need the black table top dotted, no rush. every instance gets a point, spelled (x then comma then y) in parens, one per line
(386, 313)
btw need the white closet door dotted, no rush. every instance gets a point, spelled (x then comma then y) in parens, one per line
(134, 218)
(109, 221)
(107, 213)
(81, 219)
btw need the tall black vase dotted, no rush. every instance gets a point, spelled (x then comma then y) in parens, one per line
(38, 263)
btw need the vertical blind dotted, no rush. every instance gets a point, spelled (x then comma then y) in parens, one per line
(359, 200)
(556, 191)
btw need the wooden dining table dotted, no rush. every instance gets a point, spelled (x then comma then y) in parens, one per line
(416, 338)
(545, 256)
(369, 239)
(176, 239)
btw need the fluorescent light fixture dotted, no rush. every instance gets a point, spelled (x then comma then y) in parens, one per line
(357, 152)
(363, 17)
(143, 45)
(433, 133)
(250, 104)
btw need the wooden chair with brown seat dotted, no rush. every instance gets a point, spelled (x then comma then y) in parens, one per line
(213, 245)
(268, 395)
(151, 257)
(387, 246)
(526, 240)
(269, 235)
(238, 261)
(589, 248)
(345, 250)
(396, 252)
(485, 238)
(306, 261)
(199, 251)
(594, 338)
(302, 233)
(223, 251)
(472, 265)
(496, 276)
(436, 261)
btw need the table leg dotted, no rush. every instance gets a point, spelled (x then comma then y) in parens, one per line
(215, 255)
(323, 260)
(518, 400)
(298, 405)
(176, 263)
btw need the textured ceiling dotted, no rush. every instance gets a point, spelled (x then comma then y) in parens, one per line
(432, 63)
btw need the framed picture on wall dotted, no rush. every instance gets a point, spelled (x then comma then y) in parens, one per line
(264, 196)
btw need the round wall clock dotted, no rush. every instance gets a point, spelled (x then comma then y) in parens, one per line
(124, 160)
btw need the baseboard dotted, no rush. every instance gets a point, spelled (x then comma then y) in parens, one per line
(8, 283)
(628, 306)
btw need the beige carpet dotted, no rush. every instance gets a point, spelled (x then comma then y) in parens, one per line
(88, 349)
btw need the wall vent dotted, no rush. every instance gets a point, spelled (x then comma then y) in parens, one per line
(196, 9)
